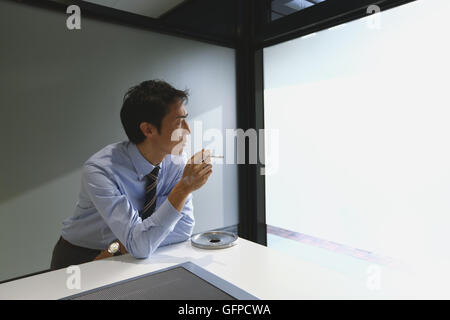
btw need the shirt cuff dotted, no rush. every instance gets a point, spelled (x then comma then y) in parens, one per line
(165, 216)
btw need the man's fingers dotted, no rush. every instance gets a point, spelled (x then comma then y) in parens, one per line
(205, 169)
(196, 168)
(196, 158)
(207, 159)
(206, 154)
(203, 156)
(207, 174)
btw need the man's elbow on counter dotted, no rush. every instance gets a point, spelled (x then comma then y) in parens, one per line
(140, 251)
(186, 235)
(144, 251)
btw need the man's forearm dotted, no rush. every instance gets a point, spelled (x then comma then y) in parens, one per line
(177, 199)
(178, 196)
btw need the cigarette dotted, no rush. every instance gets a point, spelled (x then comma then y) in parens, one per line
(216, 156)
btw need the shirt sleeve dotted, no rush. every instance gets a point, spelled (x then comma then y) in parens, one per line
(140, 237)
(183, 229)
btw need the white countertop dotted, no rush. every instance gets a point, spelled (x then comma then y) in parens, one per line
(261, 271)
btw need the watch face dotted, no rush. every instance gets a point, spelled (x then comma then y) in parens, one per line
(114, 247)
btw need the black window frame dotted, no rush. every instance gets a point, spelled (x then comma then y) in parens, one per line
(260, 33)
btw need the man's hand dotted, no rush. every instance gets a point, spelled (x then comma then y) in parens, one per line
(197, 171)
(195, 174)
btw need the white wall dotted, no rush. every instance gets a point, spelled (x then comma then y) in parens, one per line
(364, 117)
(61, 93)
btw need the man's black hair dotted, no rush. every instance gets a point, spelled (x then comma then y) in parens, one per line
(149, 102)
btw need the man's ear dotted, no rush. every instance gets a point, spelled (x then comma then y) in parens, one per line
(147, 129)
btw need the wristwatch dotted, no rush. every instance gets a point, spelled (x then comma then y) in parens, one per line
(114, 248)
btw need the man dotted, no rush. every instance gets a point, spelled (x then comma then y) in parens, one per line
(134, 196)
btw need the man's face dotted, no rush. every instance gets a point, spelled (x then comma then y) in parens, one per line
(174, 129)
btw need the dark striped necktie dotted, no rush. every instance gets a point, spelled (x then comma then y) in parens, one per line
(150, 194)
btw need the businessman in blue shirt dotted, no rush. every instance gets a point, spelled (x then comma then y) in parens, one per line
(136, 195)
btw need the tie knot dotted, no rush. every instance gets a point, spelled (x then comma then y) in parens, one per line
(154, 174)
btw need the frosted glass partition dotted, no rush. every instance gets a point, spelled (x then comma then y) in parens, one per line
(363, 113)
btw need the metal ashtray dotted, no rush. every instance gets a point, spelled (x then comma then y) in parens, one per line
(214, 240)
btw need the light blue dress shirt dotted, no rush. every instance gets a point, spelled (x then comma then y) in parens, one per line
(112, 193)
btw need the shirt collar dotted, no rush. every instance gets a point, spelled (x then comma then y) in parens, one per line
(143, 167)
